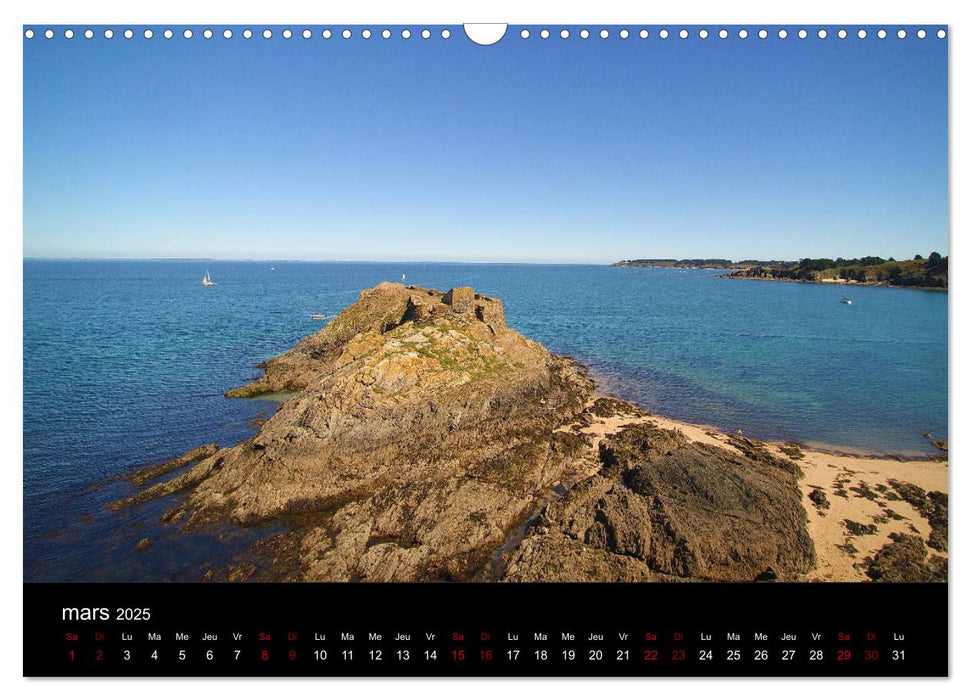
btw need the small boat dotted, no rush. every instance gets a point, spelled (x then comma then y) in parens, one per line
(402, 276)
(846, 300)
(318, 317)
(206, 282)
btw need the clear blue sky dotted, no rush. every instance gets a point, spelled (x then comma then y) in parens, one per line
(530, 150)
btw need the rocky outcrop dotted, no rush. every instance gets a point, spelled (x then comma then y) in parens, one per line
(905, 560)
(425, 434)
(423, 429)
(663, 506)
(933, 506)
(142, 476)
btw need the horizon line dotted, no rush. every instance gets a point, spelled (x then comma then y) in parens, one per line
(78, 258)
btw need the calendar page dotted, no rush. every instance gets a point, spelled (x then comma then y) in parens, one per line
(485, 350)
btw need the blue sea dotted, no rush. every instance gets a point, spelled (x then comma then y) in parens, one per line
(126, 362)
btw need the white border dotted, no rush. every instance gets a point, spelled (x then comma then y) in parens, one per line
(441, 12)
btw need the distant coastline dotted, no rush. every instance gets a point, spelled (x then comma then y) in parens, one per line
(920, 273)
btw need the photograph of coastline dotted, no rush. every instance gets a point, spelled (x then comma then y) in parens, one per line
(565, 309)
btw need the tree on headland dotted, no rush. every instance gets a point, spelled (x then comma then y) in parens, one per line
(935, 265)
(918, 257)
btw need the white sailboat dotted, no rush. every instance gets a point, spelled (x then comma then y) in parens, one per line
(206, 282)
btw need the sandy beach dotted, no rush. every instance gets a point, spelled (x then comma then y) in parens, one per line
(851, 501)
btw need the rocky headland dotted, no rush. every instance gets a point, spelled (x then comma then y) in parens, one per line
(872, 271)
(426, 440)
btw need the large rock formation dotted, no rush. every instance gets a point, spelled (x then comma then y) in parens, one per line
(423, 429)
(664, 507)
(423, 434)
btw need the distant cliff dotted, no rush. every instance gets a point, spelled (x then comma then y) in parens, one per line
(929, 273)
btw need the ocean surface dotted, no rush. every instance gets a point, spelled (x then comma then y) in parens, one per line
(126, 362)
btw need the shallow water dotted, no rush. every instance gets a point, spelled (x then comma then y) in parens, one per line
(125, 363)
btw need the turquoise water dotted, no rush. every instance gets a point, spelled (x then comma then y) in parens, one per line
(125, 363)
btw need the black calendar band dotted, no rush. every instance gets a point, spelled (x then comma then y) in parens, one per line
(468, 629)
